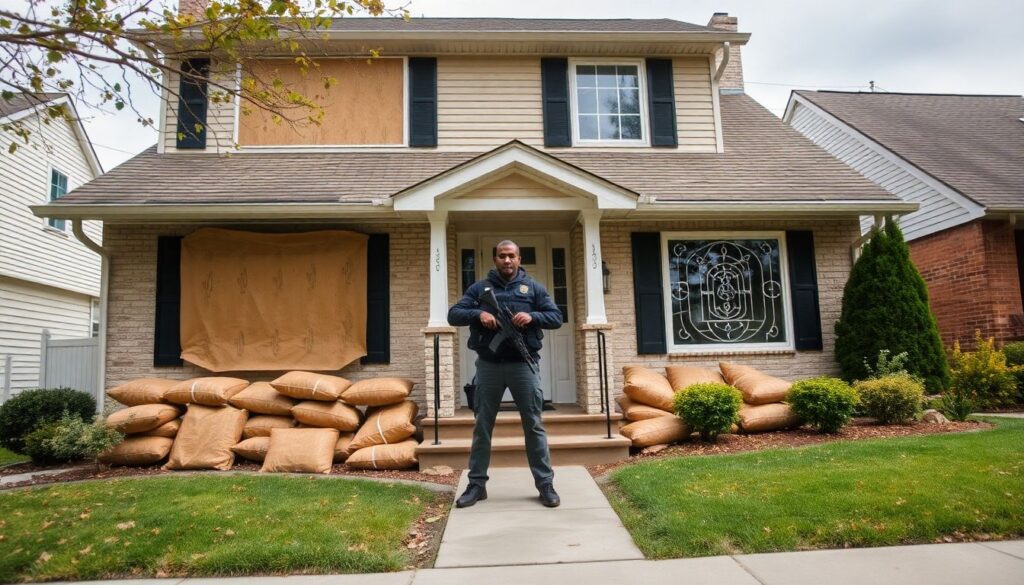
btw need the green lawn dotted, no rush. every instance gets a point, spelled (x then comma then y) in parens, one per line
(10, 457)
(232, 525)
(858, 493)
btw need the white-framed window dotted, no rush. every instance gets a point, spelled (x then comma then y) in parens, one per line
(726, 291)
(58, 188)
(609, 102)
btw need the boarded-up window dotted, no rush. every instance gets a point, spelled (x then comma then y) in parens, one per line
(364, 107)
(252, 301)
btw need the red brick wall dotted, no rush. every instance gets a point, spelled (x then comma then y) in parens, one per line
(971, 271)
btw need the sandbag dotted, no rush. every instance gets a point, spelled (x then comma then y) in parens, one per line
(260, 426)
(386, 424)
(656, 431)
(648, 387)
(333, 415)
(396, 456)
(261, 398)
(682, 376)
(142, 391)
(254, 449)
(168, 429)
(206, 437)
(211, 391)
(300, 451)
(341, 447)
(142, 418)
(756, 387)
(378, 391)
(767, 417)
(138, 451)
(311, 386)
(634, 411)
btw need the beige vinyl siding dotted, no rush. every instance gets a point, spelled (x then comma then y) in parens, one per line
(483, 102)
(220, 117)
(27, 309)
(695, 113)
(29, 249)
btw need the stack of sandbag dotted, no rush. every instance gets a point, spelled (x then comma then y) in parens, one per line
(318, 405)
(211, 426)
(763, 407)
(384, 441)
(268, 409)
(647, 403)
(148, 421)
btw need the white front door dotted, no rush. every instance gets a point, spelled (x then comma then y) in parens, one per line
(545, 259)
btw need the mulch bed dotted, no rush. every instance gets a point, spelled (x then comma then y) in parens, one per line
(859, 429)
(92, 472)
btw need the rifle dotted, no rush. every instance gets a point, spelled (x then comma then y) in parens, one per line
(506, 329)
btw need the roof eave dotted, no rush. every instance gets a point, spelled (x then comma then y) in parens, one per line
(846, 207)
(118, 212)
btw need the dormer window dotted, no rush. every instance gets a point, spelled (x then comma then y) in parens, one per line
(609, 103)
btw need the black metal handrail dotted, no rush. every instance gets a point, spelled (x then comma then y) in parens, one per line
(602, 375)
(437, 385)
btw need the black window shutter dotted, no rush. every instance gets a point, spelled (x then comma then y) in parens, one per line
(554, 82)
(422, 101)
(648, 294)
(661, 102)
(192, 104)
(167, 333)
(378, 301)
(803, 282)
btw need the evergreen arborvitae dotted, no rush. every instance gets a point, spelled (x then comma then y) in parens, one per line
(885, 306)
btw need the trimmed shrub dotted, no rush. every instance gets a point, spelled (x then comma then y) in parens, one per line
(957, 404)
(709, 408)
(70, 439)
(891, 399)
(827, 404)
(885, 307)
(1015, 359)
(32, 409)
(984, 373)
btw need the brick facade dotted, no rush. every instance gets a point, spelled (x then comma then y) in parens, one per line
(973, 281)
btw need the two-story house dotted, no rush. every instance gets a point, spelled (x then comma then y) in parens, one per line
(49, 281)
(961, 158)
(658, 203)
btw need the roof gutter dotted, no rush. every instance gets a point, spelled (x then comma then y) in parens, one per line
(780, 208)
(725, 61)
(80, 235)
(213, 211)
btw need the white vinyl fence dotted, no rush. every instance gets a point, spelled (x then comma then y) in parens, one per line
(69, 363)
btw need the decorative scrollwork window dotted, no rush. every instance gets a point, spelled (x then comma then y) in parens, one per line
(726, 291)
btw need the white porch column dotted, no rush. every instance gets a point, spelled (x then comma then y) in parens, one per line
(591, 219)
(438, 269)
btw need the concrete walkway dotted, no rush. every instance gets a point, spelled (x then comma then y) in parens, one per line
(993, 563)
(19, 477)
(511, 527)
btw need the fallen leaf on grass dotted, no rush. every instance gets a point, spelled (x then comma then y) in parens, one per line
(111, 539)
(361, 547)
(229, 532)
(43, 557)
(155, 531)
(85, 550)
(126, 525)
(47, 524)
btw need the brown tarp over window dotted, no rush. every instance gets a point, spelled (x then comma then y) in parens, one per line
(253, 301)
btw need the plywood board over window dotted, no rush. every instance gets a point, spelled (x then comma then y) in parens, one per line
(365, 107)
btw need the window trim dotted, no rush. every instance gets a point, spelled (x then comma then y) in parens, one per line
(48, 199)
(723, 348)
(644, 114)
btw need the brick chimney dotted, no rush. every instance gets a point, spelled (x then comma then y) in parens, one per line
(195, 8)
(733, 76)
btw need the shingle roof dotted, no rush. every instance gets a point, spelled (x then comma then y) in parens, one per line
(517, 25)
(24, 101)
(972, 143)
(764, 160)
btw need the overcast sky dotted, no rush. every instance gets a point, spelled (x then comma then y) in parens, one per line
(937, 46)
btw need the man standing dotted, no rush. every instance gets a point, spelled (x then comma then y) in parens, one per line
(505, 367)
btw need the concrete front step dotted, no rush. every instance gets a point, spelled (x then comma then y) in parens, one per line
(588, 449)
(567, 420)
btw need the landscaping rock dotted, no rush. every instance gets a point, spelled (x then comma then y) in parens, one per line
(654, 449)
(933, 416)
(438, 470)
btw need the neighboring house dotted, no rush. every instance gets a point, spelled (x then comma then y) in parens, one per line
(961, 157)
(657, 202)
(49, 281)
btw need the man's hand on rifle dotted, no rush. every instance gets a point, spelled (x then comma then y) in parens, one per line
(488, 320)
(521, 319)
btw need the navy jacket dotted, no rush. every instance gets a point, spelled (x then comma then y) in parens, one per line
(521, 294)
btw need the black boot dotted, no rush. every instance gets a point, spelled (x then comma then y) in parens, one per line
(473, 494)
(548, 496)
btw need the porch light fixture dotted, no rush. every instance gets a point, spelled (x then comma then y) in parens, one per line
(606, 277)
